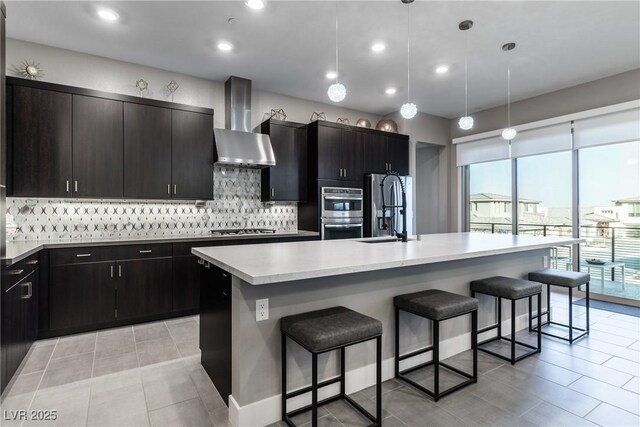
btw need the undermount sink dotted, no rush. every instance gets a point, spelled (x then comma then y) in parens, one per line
(383, 240)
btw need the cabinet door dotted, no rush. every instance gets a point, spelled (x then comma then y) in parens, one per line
(283, 183)
(398, 152)
(215, 328)
(81, 294)
(186, 283)
(147, 151)
(330, 162)
(143, 287)
(353, 156)
(375, 154)
(13, 329)
(97, 147)
(191, 155)
(41, 143)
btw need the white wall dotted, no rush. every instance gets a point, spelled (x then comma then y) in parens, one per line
(94, 72)
(432, 197)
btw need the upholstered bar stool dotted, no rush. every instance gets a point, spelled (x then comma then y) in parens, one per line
(511, 289)
(326, 330)
(437, 306)
(569, 280)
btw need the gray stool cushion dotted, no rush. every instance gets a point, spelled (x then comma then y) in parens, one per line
(332, 327)
(565, 278)
(436, 304)
(506, 287)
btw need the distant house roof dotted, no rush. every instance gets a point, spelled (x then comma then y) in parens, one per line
(598, 218)
(493, 197)
(628, 200)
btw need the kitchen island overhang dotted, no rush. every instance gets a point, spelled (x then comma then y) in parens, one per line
(300, 277)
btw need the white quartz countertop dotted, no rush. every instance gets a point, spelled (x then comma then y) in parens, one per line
(19, 250)
(282, 262)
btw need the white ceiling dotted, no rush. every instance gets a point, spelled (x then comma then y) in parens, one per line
(289, 46)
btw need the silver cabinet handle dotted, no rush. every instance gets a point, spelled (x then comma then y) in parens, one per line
(343, 226)
(168, 188)
(147, 251)
(200, 261)
(112, 271)
(83, 255)
(32, 262)
(273, 192)
(75, 186)
(119, 270)
(15, 272)
(29, 286)
(67, 186)
(345, 172)
(175, 189)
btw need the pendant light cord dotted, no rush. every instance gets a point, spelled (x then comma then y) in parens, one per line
(466, 90)
(336, 11)
(508, 95)
(408, 58)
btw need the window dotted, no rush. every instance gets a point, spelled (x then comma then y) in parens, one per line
(490, 196)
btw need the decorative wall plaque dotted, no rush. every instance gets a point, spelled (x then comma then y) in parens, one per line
(28, 70)
(142, 86)
(343, 121)
(278, 114)
(318, 116)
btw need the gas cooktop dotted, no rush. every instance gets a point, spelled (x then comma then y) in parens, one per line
(231, 231)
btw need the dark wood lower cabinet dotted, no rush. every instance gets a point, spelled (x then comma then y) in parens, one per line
(81, 294)
(143, 287)
(186, 283)
(215, 327)
(19, 324)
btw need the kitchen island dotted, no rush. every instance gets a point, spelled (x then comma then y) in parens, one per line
(363, 275)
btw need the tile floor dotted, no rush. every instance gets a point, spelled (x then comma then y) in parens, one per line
(150, 375)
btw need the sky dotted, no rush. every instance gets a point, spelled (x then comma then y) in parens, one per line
(606, 173)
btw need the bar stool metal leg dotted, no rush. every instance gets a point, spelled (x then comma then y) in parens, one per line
(379, 380)
(474, 344)
(342, 370)
(571, 315)
(539, 322)
(436, 359)
(397, 343)
(530, 317)
(587, 305)
(283, 361)
(513, 331)
(314, 390)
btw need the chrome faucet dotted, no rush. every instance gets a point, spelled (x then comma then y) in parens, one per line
(403, 206)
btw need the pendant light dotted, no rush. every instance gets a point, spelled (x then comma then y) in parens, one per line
(408, 109)
(337, 92)
(509, 133)
(466, 121)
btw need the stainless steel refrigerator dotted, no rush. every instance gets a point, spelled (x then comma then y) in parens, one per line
(388, 223)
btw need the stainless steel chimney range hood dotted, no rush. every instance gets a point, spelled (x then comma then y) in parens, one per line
(237, 145)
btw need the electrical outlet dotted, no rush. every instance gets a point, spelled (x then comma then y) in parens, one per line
(262, 309)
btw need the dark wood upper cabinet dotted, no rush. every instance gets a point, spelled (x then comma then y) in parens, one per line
(41, 143)
(329, 154)
(97, 147)
(375, 153)
(352, 155)
(147, 151)
(192, 155)
(398, 153)
(287, 180)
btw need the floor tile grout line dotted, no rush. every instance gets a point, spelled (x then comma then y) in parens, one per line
(41, 378)
(535, 406)
(623, 385)
(139, 371)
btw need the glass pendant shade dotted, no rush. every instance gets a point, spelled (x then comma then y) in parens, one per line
(408, 110)
(337, 92)
(465, 122)
(509, 134)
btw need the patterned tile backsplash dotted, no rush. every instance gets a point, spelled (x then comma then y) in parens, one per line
(236, 204)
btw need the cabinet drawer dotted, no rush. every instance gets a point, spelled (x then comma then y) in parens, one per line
(83, 254)
(108, 253)
(145, 251)
(18, 271)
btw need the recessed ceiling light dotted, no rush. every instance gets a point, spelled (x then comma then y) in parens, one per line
(390, 90)
(331, 75)
(255, 4)
(225, 46)
(378, 47)
(108, 15)
(442, 69)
